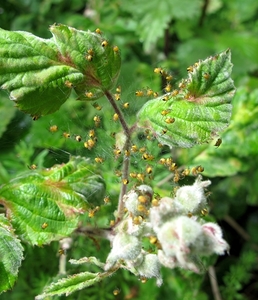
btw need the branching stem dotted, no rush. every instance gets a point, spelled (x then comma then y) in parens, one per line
(126, 161)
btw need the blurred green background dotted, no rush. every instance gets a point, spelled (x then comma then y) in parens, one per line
(172, 34)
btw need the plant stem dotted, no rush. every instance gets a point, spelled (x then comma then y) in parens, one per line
(237, 227)
(118, 111)
(125, 175)
(126, 161)
(214, 283)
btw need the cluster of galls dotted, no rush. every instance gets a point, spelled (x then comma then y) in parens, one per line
(174, 222)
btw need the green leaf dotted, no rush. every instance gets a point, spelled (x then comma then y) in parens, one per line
(40, 73)
(10, 255)
(239, 141)
(45, 205)
(153, 17)
(199, 111)
(7, 112)
(72, 284)
(216, 164)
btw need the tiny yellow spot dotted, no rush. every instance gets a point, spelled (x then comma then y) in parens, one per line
(116, 292)
(104, 44)
(115, 49)
(99, 160)
(158, 70)
(125, 181)
(33, 167)
(174, 93)
(206, 76)
(148, 170)
(126, 105)
(68, 84)
(66, 135)
(98, 31)
(134, 148)
(115, 117)
(170, 120)
(89, 94)
(190, 69)
(44, 225)
(53, 128)
(165, 112)
(106, 199)
(117, 97)
(78, 138)
(89, 57)
(168, 87)
(91, 133)
(139, 93)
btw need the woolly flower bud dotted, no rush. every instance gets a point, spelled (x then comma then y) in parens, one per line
(126, 247)
(192, 197)
(162, 213)
(171, 262)
(150, 267)
(183, 238)
(177, 235)
(215, 243)
(138, 201)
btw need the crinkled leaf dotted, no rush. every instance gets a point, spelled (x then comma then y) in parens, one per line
(199, 111)
(10, 255)
(45, 205)
(72, 284)
(40, 73)
(239, 141)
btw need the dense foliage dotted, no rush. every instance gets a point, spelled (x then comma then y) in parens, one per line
(171, 35)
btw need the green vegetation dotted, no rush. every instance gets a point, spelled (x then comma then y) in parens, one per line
(64, 159)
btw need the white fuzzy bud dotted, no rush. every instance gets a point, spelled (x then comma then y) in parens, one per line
(184, 238)
(214, 241)
(138, 201)
(192, 197)
(165, 211)
(150, 267)
(125, 247)
(177, 236)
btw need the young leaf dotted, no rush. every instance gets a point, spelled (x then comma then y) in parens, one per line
(10, 255)
(201, 108)
(72, 284)
(40, 73)
(44, 206)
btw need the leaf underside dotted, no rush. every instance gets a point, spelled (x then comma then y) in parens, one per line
(71, 284)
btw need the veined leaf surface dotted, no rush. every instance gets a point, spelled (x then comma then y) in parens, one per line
(45, 205)
(199, 109)
(11, 255)
(41, 73)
